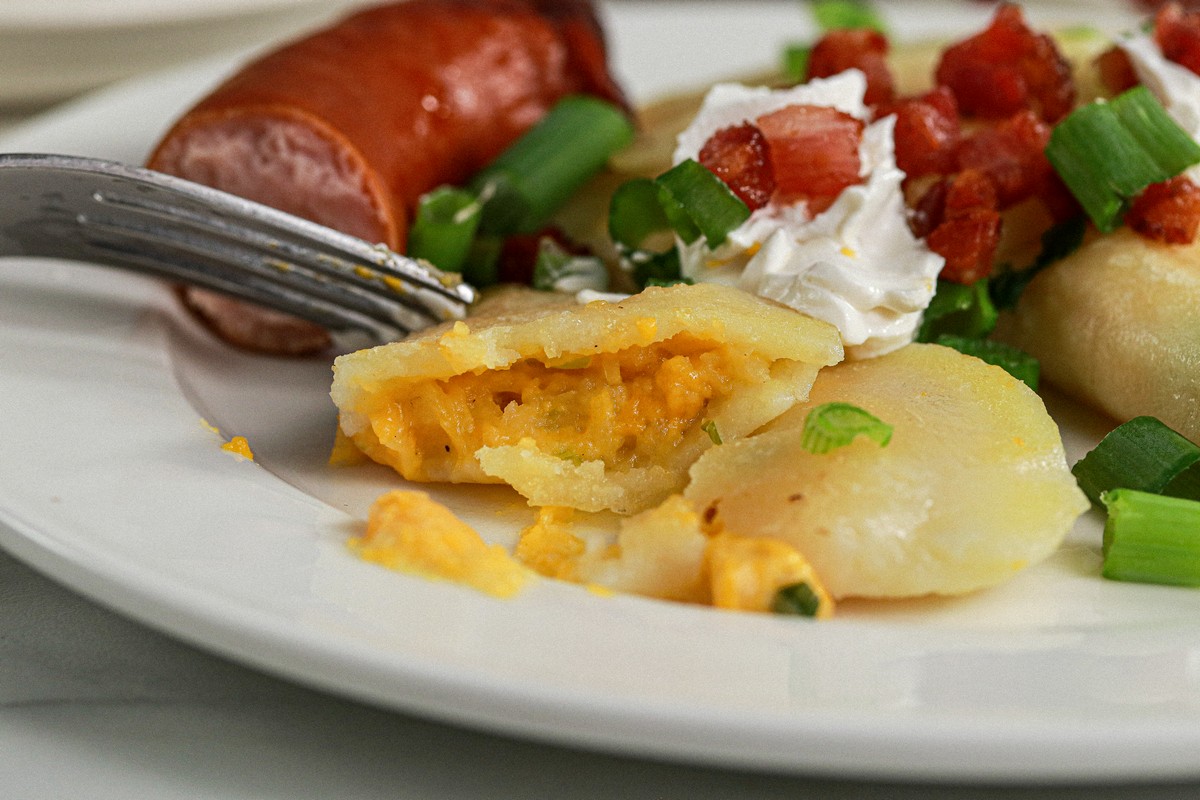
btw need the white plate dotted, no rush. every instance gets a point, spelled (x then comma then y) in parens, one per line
(111, 483)
(49, 50)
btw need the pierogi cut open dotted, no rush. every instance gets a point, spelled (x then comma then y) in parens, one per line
(597, 406)
(972, 486)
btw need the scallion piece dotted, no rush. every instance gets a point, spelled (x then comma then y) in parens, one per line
(795, 62)
(1017, 363)
(833, 425)
(635, 213)
(444, 227)
(1143, 454)
(834, 14)
(542, 169)
(556, 270)
(1107, 153)
(1149, 538)
(1168, 145)
(797, 599)
(959, 310)
(697, 200)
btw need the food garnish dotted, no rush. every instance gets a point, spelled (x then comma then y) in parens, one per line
(1151, 538)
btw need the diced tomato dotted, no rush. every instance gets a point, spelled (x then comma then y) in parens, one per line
(814, 150)
(1178, 35)
(1012, 154)
(1167, 212)
(1116, 70)
(1007, 68)
(959, 221)
(858, 48)
(739, 156)
(926, 134)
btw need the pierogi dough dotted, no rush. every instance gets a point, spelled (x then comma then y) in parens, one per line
(602, 406)
(972, 487)
(1117, 324)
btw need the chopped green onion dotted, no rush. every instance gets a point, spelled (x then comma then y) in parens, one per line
(697, 200)
(687, 201)
(657, 269)
(710, 428)
(1142, 454)
(1058, 242)
(960, 310)
(1149, 538)
(556, 270)
(444, 227)
(833, 14)
(833, 425)
(542, 169)
(1017, 363)
(1168, 145)
(482, 267)
(797, 599)
(795, 62)
(1107, 153)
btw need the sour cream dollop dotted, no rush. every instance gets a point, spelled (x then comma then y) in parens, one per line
(856, 264)
(1175, 86)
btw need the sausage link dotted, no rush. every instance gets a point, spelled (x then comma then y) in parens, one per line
(349, 126)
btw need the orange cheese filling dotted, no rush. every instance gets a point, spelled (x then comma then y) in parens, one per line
(625, 409)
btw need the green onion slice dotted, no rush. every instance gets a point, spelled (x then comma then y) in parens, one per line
(532, 178)
(1017, 363)
(1107, 153)
(833, 425)
(1143, 454)
(635, 213)
(695, 200)
(710, 427)
(959, 310)
(834, 14)
(1167, 145)
(797, 599)
(795, 62)
(556, 270)
(687, 201)
(1149, 538)
(444, 227)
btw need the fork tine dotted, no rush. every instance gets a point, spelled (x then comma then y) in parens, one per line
(371, 267)
(321, 302)
(131, 217)
(125, 235)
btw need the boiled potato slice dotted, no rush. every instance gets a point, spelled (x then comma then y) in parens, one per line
(972, 487)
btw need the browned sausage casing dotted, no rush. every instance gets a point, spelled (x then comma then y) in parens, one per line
(349, 126)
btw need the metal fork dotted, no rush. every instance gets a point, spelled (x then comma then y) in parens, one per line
(104, 212)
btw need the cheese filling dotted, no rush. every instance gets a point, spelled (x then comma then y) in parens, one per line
(625, 409)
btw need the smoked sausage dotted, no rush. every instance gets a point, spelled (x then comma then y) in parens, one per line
(351, 125)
